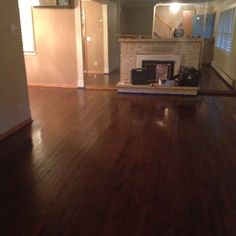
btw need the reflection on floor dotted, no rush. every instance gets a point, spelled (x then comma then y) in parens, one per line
(102, 81)
(95, 163)
(211, 82)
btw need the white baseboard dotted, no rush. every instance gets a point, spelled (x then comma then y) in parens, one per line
(51, 85)
(80, 83)
(227, 79)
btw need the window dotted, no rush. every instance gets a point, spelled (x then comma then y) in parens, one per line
(225, 30)
(26, 21)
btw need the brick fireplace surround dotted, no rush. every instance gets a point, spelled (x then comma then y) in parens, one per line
(188, 49)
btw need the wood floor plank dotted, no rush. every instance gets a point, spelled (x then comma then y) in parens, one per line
(100, 163)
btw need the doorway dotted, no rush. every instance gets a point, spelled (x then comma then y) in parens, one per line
(100, 27)
(187, 16)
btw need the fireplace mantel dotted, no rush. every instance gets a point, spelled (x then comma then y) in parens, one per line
(188, 49)
(158, 40)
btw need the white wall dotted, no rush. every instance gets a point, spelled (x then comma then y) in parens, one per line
(14, 105)
(224, 62)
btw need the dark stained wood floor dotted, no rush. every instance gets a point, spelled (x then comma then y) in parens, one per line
(102, 81)
(98, 163)
(211, 80)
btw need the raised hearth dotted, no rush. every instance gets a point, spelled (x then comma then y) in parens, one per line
(163, 90)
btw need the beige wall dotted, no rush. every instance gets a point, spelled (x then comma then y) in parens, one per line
(94, 49)
(14, 105)
(137, 20)
(55, 62)
(225, 62)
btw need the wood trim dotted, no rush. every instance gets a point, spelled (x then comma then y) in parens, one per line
(217, 92)
(105, 38)
(51, 85)
(133, 36)
(157, 89)
(15, 129)
(100, 87)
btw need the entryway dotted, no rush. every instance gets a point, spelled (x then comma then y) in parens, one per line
(100, 26)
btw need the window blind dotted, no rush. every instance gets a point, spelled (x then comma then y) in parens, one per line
(225, 30)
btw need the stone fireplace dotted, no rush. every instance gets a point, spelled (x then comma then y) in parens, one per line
(177, 51)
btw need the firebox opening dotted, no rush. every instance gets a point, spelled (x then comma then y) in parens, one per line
(159, 70)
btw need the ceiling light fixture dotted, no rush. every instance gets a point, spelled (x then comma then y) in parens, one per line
(174, 8)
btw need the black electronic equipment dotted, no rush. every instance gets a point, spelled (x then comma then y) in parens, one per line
(139, 76)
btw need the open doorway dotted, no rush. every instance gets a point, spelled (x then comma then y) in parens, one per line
(100, 27)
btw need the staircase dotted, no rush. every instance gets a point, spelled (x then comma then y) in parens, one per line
(162, 29)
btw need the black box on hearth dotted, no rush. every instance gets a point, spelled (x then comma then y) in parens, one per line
(140, 76)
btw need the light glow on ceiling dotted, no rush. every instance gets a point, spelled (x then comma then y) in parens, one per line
(174, 8)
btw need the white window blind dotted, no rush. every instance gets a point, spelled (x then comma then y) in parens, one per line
(225, 30)
(27, 29)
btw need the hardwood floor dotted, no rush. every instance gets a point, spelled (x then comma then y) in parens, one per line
(211, 80)
(99, 163)
(102, 81)
(211, 83)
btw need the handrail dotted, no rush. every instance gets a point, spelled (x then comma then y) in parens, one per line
(162, 29)
(164, 21)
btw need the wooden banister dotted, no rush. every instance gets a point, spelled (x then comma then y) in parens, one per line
(161, 28)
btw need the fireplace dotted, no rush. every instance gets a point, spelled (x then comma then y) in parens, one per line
(183, 51)
(159, 70)
(172, 63)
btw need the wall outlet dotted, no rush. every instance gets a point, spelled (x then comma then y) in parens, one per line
(96, 63)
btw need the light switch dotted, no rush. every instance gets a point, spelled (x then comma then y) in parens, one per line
(89, 39)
